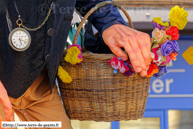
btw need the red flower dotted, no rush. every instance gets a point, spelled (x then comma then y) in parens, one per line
(173, 31)
(152, 69)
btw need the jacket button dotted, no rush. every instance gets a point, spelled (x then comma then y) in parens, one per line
(50, 32)
(48, 58)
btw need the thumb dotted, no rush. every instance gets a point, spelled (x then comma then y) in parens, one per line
(8, 111)
(1, 119)
(4, 100)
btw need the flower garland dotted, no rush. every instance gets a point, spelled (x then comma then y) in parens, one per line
(164, 46)
(74, 57)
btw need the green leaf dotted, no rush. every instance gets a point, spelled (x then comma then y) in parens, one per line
(152, 40)
(163, 65)
(164, 59)
(155, 45)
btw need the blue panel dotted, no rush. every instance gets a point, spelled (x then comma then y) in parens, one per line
(115, 125)
(182, 81)
(170, 103)
(153, 113)
(165, 120)
(162, 114)
(174, 90)
(186, 37)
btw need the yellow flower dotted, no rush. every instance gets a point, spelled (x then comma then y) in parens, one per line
(63, 75)
(178, 17)
(158, 20)
(73, 55)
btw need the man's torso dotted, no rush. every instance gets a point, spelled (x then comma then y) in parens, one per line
(18, 70)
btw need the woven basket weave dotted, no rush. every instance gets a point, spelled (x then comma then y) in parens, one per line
(96, 93)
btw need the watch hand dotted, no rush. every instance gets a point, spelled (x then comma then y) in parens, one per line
(25, 42)
(20, 41)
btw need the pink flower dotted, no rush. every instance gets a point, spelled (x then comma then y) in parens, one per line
(79, 47)
(155, 54)
(168, 59)
(118, 64)
(159, 57)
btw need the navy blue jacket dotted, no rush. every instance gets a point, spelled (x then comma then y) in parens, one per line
(18, 70)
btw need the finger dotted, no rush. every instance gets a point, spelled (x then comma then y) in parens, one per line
(121, 39)
(7, 110)
(1, 119)
(4, 100)
(148, 45)
(133, 57)
(147, 42)
(115, 46)
(143, 73)
(135, 45)
(144, 50)
(125, 32)
(119, 52)
(131, 31)
(8, 114)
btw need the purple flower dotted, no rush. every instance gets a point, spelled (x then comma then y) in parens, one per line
(162, 71)
(129, 72)
(156, 25)
(176, 46)
(167, 48)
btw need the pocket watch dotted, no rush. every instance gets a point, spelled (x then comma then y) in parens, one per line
(19, 38)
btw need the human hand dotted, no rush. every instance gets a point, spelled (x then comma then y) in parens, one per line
(4, 100)
(136, 44)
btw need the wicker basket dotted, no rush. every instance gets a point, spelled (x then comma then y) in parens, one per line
(96, 93)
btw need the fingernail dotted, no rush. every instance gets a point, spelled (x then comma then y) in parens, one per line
(144, 73)
(138, 69)
(123, 58)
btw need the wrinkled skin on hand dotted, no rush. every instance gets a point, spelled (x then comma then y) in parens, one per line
(136, 44)
(4, 100)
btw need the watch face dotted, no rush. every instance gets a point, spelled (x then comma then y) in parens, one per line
(19, 39)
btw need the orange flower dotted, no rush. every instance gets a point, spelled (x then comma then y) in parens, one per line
(152, 70)
(173, 56)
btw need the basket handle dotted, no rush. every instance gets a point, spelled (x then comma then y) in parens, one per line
(94, 9)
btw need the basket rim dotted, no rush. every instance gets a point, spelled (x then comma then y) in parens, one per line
(86, 54)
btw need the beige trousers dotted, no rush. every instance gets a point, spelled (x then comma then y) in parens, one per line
(37, 104)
